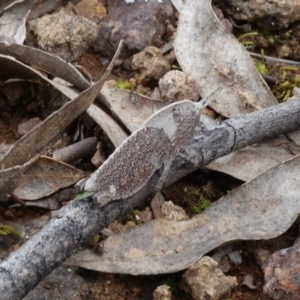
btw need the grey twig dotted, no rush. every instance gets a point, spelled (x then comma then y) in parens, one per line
(275, 60)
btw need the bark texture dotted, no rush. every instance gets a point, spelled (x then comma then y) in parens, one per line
(80, 220)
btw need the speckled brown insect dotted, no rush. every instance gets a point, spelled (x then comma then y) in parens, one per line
(153, 146)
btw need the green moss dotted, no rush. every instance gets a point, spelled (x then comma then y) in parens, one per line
(173, 283)
(6, 230)
(196, 200)
(269, 36)
(30, 95)
(176, 67)
(261, 67)
(95, 240)
(288, 79)
(132, 216)
(247, 39)
(287, 76)
(83, 195)
(123, 84)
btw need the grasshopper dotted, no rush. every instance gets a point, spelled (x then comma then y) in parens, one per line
(155, 145)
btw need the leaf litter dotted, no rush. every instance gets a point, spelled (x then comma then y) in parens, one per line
(263, 203)
(249, 212)
(37, 139)
(253, 211)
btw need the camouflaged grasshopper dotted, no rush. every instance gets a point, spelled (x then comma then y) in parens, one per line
(154, 145)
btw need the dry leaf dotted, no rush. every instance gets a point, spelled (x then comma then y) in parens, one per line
(115, 133)
(113, 130)
(45, 177)
(214, 58)
(263, 208)
(34, 142)
(41, 135)
(10, 177)
(249, 162)
(130, 107)
(13, 20)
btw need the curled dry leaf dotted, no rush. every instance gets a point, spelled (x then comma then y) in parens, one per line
(10, 177)
(37, 139)
(42, 134)
(45, 177)
(113, 130)
(252, 211)
(12, 21)
(115, 133)
(46, 62)
(214, 58)
(62, 69)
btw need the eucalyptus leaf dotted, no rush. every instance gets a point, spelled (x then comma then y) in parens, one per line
(214, 58)
(45, 177)
(263, 208)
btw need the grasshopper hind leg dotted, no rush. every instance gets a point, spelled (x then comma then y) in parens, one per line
(163, 177)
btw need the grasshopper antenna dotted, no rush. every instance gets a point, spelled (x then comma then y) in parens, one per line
(206, 100)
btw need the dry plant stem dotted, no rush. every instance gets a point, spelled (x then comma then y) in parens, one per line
(86, 147)
(18, 200)
(80, 220)
(155, 206)
(275, 60)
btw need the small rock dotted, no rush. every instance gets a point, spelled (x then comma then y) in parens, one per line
(173, 212)
(176, 86)
(261, 256)
(206, 281)
(63, 35)
(162, 292)
(282, 274)
(150, 64)
(145, 215)
(248, 281)
(156, 204)
(219, 13)
(223, 263)
(226, 255)
(139, 24)
(283, 51)
(178, 249)
(116, 227)
(91, 9)
(269, 14)
(130, 224)
(235, 257)
(296, 92)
